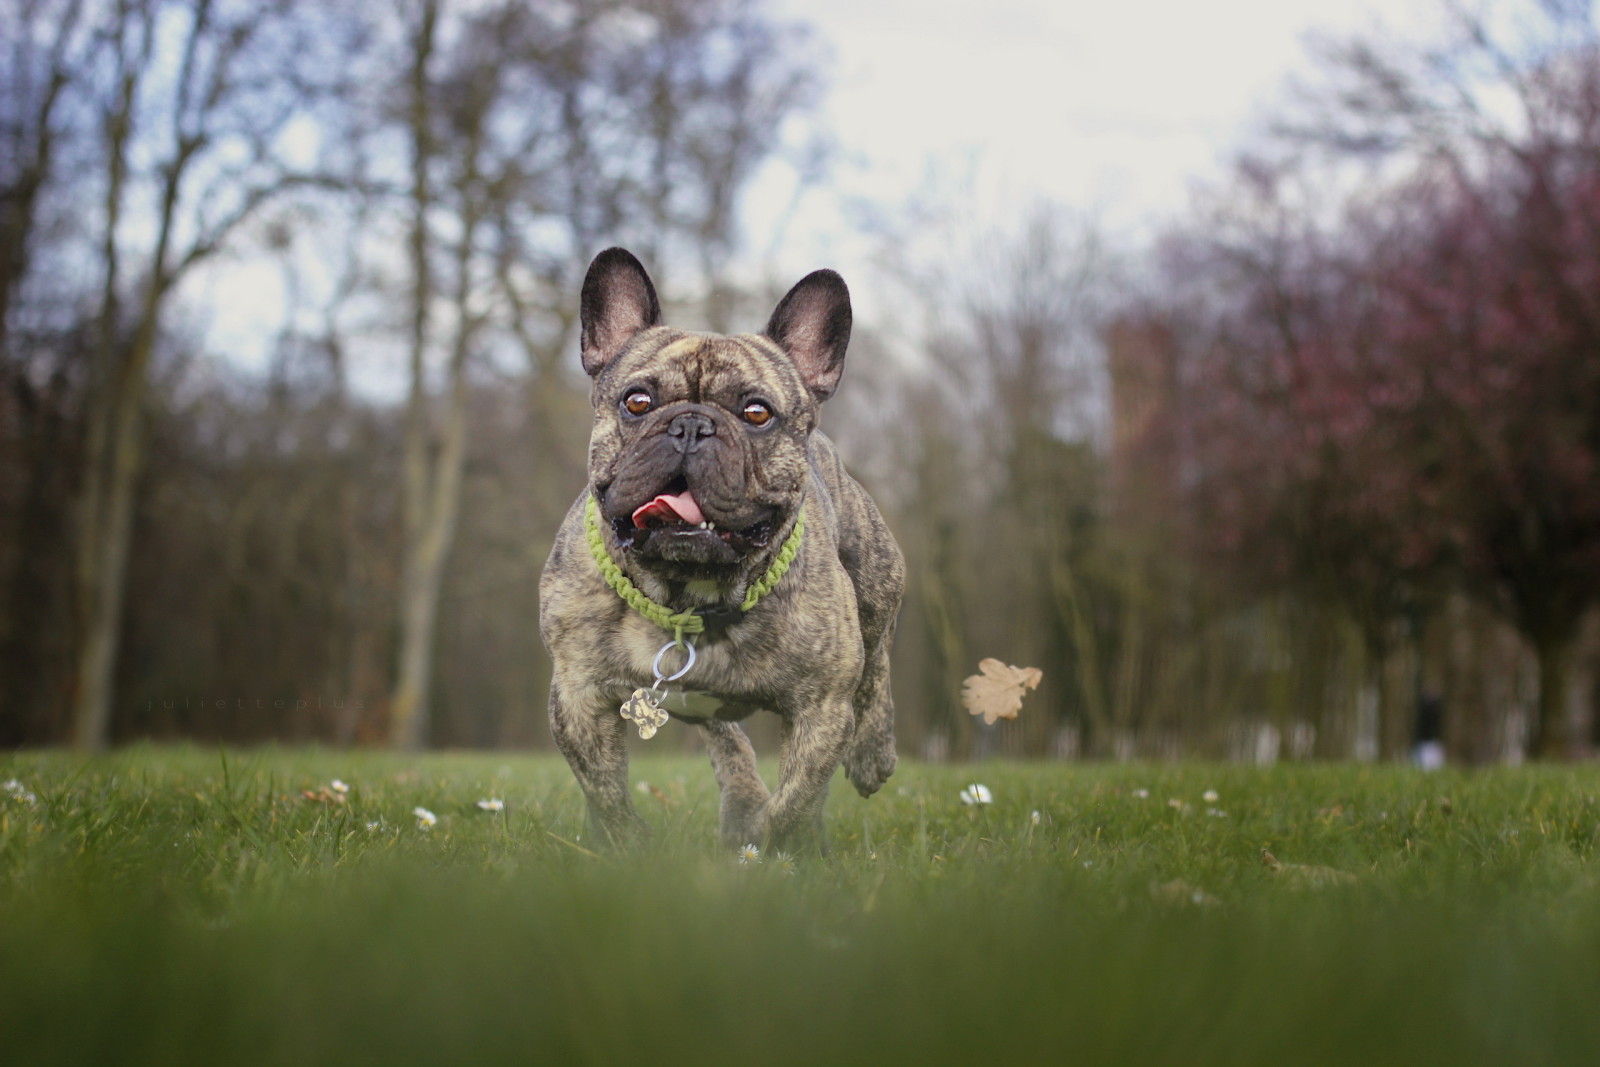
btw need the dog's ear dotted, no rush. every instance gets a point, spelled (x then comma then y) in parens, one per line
(618, 301)
(812, 324)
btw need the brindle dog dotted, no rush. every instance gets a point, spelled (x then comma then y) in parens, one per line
(703, 458)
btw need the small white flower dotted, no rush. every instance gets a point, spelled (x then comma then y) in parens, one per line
(1033, 817)
(17, 791)
(784, 862)
(1142, 794)
(338, 786)
(1216, 813)
(374, 825)
(425, 818)
(494, 804)
(749, 854)
(976, 794)
(1210, 796)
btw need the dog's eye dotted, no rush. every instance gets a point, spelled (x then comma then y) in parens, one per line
(757, 413)
(637, 402)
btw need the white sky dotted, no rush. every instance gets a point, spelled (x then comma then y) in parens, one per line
(1113, 109)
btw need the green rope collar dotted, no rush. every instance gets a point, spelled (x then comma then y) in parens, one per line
(682, 622)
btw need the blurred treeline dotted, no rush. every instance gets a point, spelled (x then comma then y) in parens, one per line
(1317, 468)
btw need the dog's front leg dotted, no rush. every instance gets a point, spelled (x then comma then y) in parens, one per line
(592, 735)
(814, 741)
(743, 791)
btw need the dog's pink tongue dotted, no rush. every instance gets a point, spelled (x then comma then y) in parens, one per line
(668, 507)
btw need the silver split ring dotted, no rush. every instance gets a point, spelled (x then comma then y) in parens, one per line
(655, 668)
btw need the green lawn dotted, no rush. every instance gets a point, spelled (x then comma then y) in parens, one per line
(170, 905)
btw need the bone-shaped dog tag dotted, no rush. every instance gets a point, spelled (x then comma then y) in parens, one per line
(643, 711)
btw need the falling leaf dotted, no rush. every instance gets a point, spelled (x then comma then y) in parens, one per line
(996, 693)
(1304, 876)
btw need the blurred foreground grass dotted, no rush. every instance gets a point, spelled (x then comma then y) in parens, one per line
(175, 905)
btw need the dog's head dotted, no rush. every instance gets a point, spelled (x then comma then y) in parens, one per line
(698, 454)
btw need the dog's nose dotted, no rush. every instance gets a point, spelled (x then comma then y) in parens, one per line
(689, 429)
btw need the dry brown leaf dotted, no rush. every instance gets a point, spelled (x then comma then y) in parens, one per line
(1304, 876)
(996, 692)
(323, 796)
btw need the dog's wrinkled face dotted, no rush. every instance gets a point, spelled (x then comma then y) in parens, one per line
(698, 452)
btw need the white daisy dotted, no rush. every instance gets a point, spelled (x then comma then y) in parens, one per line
(338, 786)
(976, 794)
(494, 804)
(749, 854)
(425, 818)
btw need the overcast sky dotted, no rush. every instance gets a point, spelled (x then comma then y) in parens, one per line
(1113, 109)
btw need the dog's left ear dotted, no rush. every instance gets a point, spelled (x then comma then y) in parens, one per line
(618, 301)
(812, 324)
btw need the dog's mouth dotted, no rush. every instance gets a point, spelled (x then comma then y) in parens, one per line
(675, 516)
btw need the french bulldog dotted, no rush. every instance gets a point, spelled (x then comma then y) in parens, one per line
(720, 562)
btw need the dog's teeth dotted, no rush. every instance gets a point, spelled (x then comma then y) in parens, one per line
(705, 526)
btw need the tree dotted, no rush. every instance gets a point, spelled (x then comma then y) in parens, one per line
(1394, 392)
(190, 97)
(1494, 326)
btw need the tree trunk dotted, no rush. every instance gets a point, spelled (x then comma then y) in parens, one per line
(115, 454)
(1552, 738)
(432, 482)
(423, 576)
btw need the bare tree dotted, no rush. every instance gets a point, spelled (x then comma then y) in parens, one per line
(191, 96)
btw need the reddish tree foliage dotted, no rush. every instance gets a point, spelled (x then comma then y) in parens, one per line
(1412, 399)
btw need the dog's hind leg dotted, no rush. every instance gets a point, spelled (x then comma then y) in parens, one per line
(871, 757)
(743, 791)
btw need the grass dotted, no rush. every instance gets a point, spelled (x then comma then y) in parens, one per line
(182, 905)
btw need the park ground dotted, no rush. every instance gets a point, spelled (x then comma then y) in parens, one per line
(181, 905)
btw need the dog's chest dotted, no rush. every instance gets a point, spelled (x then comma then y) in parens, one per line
(727, 676)
(691, 703)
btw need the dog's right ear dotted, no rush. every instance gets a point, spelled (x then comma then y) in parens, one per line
(618, 301)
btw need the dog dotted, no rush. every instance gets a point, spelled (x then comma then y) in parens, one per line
(719, 562)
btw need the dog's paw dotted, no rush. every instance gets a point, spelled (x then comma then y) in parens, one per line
(625, 833)
(869, 763)
(742, 826)
(742, 818)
